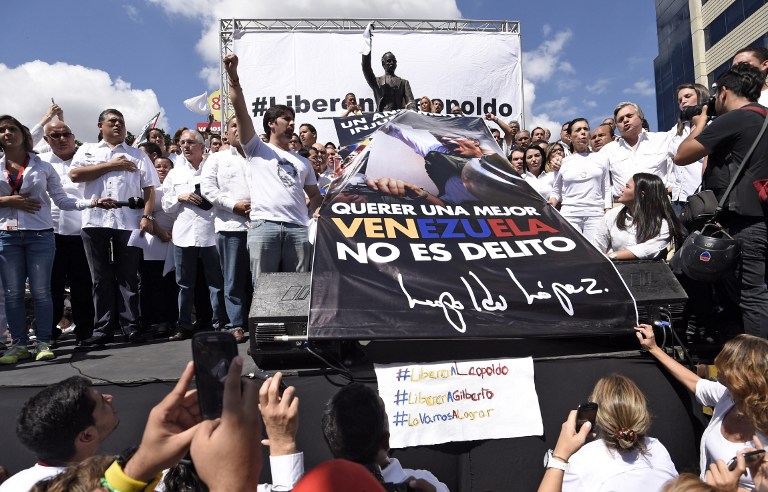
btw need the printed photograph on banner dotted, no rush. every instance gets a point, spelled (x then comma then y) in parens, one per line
(430, 233)
(457, 401)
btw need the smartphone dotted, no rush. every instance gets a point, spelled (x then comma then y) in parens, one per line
(212, 353)
(751, 458)
(263, 376)
(587, 412)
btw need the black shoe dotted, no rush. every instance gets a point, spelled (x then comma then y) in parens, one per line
(99, 339)
(136, 337)
(55, 333)
(179, 336)
(161, 330)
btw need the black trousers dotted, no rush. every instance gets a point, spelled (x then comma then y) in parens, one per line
(158, 293)
(115, 280)
(70, 267)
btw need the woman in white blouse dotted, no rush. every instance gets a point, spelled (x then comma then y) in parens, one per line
(623, 457)
(739, 397)
(644, 226)
(27, 244)
(582, 184)
(685, 180)
(534, 174)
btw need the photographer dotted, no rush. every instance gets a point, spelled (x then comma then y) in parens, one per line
(726, 140)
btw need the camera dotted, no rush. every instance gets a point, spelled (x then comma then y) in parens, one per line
(689, 112)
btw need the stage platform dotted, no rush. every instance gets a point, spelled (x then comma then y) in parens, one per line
(139, 376)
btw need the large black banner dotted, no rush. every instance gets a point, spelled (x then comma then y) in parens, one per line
(430, 233)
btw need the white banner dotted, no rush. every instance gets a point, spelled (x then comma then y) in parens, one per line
(459, 401)
(313, 71)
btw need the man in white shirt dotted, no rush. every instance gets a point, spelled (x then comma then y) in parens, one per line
(278, 180)
(113, 169)
(224, 184)
(193, 233)
(637, 150)
(70, 265)
(63, 424)
(600, 137)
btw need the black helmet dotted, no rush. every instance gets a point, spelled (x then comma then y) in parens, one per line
(708, 255)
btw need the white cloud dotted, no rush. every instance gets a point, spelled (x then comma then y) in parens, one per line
(82, 93)
(598, 87)
(590, 104)
(132, 12)
(642, 87)
(209, 11)
(544, 61)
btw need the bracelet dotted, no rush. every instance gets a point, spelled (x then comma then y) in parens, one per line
(118, 481)
(560, 458)
(94, 202)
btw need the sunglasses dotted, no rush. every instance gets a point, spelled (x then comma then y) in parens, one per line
(57, 136)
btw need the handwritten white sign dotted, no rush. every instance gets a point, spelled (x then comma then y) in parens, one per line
(459, 401)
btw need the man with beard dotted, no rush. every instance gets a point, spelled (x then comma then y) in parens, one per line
(278, 181)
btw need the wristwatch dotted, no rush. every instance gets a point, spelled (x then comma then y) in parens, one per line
(551, 461)
(148, 217)
(612, 255)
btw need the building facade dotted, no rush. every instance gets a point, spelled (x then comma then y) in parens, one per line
(697, 39)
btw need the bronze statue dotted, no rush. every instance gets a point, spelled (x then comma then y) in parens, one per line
(389, 90)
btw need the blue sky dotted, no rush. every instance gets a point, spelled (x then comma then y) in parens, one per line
(142, 56)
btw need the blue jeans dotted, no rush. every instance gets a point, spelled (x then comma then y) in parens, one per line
(185, 260)
(278, 247)
(27, 254)
(238, 289)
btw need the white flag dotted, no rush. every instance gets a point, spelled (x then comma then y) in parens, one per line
(142, 135)
(198, 104)
(367, 36)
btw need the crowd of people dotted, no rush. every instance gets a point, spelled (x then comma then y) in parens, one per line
(169, 236)
(66, 423)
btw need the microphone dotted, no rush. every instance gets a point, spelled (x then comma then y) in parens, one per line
(133, 202)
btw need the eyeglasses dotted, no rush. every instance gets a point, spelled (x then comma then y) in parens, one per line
(57, 136)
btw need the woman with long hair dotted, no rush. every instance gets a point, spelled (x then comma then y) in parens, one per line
(582, 186)
(623, 457)
(554, 157)
(425, 104)
(534, 173)
(27, 244)
(685, 180)
(739, 396)
(644, 226)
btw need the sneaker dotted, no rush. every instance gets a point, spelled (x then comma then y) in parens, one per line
(44, 351)
(16, 352)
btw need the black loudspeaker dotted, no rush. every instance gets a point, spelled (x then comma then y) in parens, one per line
(656, 290)
(280, 308)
